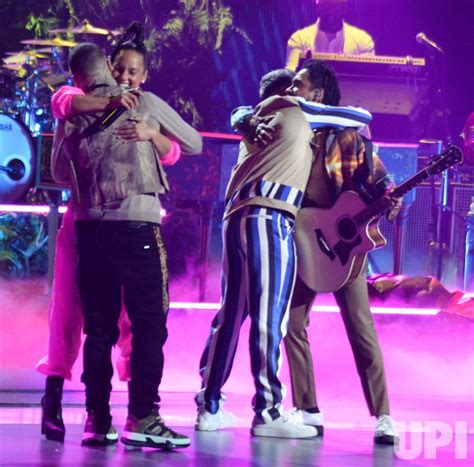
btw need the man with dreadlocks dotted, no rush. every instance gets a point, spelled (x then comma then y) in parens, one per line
(262, 199)
(341, 162)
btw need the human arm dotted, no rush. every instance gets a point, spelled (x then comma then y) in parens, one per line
(240, 118)
(172, 125)
(320, 116)
(139, 130)
(300, 42)
(85, 104)
(365, 44)
(384, 186)
(71, 100)
(338, 117)
(60, 166)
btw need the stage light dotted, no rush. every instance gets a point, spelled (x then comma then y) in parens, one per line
(319, 308)
(37, 209)
(29, 208)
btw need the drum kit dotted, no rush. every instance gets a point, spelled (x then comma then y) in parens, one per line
(28, 78)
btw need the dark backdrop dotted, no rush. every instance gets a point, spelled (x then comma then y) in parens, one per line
(392, 23)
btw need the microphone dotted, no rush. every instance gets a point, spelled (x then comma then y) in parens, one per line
(106, 120)
(421, 38)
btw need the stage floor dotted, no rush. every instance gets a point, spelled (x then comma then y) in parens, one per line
(434, 432)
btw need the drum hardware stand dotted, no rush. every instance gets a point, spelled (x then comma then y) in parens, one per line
(58, 62)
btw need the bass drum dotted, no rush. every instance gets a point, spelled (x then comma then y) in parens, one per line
(17, 159)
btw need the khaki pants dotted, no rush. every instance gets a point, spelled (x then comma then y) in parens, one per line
(353, 302)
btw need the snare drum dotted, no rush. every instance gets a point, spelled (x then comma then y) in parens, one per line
(17, 157)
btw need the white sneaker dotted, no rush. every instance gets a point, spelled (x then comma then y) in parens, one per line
(207, 421)
(385, 431)
(285, 426)
(311, 419)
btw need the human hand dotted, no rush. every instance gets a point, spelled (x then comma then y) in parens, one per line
(128, 99)
(135, 130)
(264, 134)
(395, 206)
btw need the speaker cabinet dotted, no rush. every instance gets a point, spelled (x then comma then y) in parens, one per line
(419, 257)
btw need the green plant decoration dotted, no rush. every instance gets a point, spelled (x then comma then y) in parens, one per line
(182, 37)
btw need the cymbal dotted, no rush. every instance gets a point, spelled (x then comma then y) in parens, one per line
(85, 28)
(22, 58)
(56, 42)
(12, 66)
(20, 72)
(45, 50)
(29, 53)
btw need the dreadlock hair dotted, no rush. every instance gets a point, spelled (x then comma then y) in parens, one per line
(322, 75)
(131, 39)
(275, 82)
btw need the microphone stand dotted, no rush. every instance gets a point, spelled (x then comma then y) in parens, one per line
(442, 228)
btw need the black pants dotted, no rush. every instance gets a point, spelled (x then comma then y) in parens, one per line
(122, 260)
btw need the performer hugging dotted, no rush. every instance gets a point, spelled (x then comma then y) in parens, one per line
(154, 129)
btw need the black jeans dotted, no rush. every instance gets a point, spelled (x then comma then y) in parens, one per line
(122, 259)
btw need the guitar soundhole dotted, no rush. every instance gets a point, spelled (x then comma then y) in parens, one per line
(346, 228)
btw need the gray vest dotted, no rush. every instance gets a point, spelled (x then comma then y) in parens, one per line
(105, 168)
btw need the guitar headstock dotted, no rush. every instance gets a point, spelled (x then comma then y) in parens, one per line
(451, 156)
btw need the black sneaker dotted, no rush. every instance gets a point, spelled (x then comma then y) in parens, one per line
(152, 432)
(99, 431)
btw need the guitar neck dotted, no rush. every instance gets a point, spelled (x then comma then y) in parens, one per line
(451, 156)
(411, 183)
(382, 204)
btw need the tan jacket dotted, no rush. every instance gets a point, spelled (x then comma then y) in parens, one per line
(274, 176)
(102, 169)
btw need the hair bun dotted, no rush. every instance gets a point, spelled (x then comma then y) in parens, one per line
(133, 34)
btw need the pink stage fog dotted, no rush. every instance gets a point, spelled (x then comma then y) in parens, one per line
(425, 355)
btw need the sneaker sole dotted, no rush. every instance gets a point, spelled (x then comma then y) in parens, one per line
(386, 440)
(269, 433)
(201, 427)
(150, 441)
(94, 439)
(205, 426)
(320, 430)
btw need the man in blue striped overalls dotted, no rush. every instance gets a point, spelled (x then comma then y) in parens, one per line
(259, 265)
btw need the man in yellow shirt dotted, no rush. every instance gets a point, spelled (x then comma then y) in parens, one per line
(330, 34)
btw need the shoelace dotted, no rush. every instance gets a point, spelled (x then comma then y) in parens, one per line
(164, 430)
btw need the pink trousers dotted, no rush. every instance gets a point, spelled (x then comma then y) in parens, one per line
(65, 313)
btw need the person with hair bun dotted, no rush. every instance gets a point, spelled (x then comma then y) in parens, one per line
(65, 310)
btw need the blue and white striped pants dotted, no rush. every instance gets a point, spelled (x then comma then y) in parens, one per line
(259, 269)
